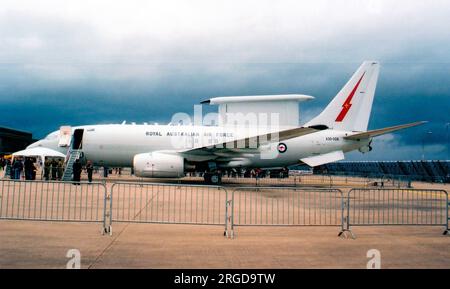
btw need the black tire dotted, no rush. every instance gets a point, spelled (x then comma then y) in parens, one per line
(216, 179)
(207, 178)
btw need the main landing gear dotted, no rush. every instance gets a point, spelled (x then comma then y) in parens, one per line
(212, 178)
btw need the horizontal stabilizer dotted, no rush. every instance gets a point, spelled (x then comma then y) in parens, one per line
(381, 131)
(323, 159)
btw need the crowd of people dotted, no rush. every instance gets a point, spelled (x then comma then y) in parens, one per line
(52, 169)
(20, 167)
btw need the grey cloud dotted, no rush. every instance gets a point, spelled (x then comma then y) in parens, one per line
(58, 70)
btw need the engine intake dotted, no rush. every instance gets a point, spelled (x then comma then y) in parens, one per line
(158, 165)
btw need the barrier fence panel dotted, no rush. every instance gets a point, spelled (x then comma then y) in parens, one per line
(379, 207)
(212, 205)
(319, 180)
(168, 203)
(351, 181)
(287, 206)
(52, 201)
(293, 180)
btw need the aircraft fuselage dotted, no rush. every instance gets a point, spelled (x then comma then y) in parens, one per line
(116, 145)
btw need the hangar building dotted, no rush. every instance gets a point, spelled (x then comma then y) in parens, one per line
(12, 140)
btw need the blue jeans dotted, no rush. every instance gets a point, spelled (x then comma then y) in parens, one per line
(29, 174)
(17, 174)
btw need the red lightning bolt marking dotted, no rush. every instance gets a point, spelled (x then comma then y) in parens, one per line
(347, 104)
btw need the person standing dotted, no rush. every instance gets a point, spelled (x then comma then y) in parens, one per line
(2, 164)
(76, 172)
(47, 169)
(12, 174)
(33, 171)
(89, 170)
(60, 170)
(17, 167)
(28, 164)
(8, 169)
(54, 169)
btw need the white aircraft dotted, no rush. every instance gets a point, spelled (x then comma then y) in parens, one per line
(172, 150)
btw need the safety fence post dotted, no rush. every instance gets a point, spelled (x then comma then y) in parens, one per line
(107, 228)
(446, 214)
(229, 232)
(345, 225)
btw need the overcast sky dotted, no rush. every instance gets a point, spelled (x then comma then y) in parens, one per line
(81, 62)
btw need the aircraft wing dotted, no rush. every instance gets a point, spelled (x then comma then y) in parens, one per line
(381, 131)
(318, 160)
(250, 144)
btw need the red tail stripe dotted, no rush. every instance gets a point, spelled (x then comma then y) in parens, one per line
(347, 104)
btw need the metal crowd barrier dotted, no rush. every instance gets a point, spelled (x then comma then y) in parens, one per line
(53, 201)
(168, 203)
(286, 206)
(318, 180)
(165, 203)
(405, 207)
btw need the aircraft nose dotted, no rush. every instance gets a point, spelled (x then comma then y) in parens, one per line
(35, 144)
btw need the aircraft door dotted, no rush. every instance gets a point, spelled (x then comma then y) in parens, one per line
(64, 136)
(77, 143)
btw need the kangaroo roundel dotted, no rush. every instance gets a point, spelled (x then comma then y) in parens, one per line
(282, 147)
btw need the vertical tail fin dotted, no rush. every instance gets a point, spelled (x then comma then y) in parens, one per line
(350, 108)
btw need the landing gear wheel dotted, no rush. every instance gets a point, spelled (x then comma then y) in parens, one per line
(214, 179)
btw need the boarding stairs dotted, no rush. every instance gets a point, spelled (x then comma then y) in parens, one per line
(68, 171)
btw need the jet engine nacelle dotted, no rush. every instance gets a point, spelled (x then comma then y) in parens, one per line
(365, 149)
(158, 165)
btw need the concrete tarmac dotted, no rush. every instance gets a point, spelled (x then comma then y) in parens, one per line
(37, 244)
(34, 244)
